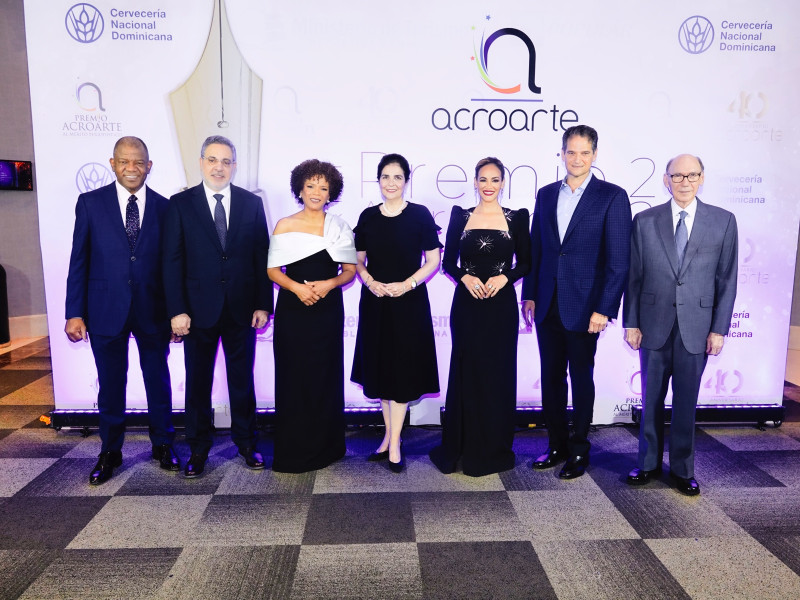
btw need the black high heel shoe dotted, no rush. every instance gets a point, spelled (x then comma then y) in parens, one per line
(378, 456)
(397, 467)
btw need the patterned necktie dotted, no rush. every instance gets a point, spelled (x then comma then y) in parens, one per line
(132, 222)
(681, 237)
(219, 220)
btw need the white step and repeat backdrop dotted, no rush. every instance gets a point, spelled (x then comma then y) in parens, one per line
(445, 84)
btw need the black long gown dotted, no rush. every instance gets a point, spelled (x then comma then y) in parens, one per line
(478, 422)
(309, 372)
(395, 354)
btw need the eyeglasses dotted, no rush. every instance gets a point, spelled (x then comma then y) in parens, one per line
(213, 160)
(678, 178)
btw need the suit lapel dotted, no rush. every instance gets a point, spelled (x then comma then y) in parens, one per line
(200, 206)
(583, 206)
(700, 230)
(667, 235)
(115, 216)
(236, 216)
(551, 216)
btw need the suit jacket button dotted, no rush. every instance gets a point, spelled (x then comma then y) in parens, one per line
(673, 304)
(222, 281)
(680, 283)
(130, 282)
(133, 258)
(224, 258)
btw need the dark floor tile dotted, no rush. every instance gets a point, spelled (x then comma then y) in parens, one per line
(44, 522)
(33, 443)
(359, 519)
(31, 363)
(23, 415)
(482, 570)
(6, 432)
(762, 511)
(19, 568)
(11, 380)
(117, 574)
(785, 547)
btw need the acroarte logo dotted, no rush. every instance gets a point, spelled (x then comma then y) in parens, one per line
(84, 23)
(696, 34)
(749, 105)
(482, 62)
(92, 176)
(89, 97)
(519, 118)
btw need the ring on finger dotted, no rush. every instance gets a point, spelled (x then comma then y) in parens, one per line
(477, 287)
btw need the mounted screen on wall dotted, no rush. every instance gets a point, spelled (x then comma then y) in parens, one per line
(16, 175)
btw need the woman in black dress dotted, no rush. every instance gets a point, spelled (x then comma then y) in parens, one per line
(478, 422)
(311, 256)
(395, 355)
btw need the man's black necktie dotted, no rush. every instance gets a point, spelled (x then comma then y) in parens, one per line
(132, 222)
(219, 220)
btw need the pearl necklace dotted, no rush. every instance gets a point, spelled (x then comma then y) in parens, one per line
(393, 213)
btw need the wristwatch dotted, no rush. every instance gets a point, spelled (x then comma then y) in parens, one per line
(413, 283)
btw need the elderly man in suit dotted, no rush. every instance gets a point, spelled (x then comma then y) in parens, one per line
(216, 285)
(114, 288)
(580, 250)
(677, 310)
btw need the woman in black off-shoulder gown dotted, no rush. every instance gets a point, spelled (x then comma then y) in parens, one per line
(481, 246)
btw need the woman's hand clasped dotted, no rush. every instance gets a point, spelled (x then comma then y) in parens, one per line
(480, 290)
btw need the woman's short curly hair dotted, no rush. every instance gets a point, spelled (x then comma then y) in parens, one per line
(312, 169)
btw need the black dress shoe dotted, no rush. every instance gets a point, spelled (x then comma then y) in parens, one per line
(549, 459)
(397, 467)
(195, 466)
(687, 486)
(575, 467)
(640, 476)
(104, 469)
(252, 459)
(166, 457)
(378, 456)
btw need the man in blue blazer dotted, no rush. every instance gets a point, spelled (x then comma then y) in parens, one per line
(114, 288)
(580, 246)
(677, 310)
(216, 285)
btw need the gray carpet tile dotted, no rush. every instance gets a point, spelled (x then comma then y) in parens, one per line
(15, 416)
(104, 574)
(607, 570)
(154, 481)
(37, 443)
(747, 437)
(266, 520)
(359, 519)
(570, 515)
(785, 547)
(356, 475)
(70, 477)
(16, 473)
(622, 439)
(20, 568)
(761, 511)
(475, 570)
(665, 513)
(39, 523)
(142, 522)
(238, 480)
(522, 478)
(136, 447)
(357, 572)
(39, 392)
(12, 379)
(782, 465)
(466, 517)
(241, 573)
(715, 469)
(729, 568)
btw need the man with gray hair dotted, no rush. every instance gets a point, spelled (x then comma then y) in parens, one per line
(216, 287)
(677, 310)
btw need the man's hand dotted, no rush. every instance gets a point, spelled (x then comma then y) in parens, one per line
(528, 310)
(634, 338)
(597, 323)
(714, 343)
(260, 318)
(76, 330)
(180, 324)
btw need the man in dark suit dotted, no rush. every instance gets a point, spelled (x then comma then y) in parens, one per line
(114, 288)
(215, 280)
(580, 249)
(678, 307)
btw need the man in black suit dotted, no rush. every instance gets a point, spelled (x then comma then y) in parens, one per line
(114, 288)
(216, 285)
(580, 241)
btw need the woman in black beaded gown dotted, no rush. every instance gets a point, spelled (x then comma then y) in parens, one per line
(480, 248)
(395, 355)
(311, 256)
